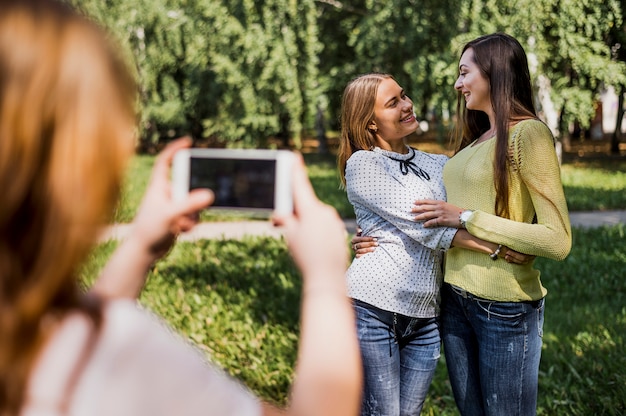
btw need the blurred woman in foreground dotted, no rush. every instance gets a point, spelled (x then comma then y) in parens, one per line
(67, 124)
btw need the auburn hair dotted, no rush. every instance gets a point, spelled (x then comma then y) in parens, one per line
(502, 61)
(67, 128)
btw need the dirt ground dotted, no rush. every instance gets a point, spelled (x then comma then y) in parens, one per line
(593, 149)
(587, 149)
(577, 149)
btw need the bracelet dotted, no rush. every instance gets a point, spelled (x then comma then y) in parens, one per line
(494, 255)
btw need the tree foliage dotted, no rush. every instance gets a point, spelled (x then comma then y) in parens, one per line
(576, 55)
(238, 72)
(243, 71)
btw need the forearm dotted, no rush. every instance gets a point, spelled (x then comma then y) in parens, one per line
(549, 239)
(126, 271)
(329, 366)
(464, 239)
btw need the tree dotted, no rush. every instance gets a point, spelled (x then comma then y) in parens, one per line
(238, 72)
(338, 61)
(243, 71)
(264, 55)
(617, 42)
(408, 39)
(574, 54)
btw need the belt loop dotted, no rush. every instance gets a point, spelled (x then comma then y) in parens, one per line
(461, 292)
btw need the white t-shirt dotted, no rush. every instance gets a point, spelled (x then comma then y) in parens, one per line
(136, 366)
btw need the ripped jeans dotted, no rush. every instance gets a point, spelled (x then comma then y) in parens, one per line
(399, 356)
(492, 353)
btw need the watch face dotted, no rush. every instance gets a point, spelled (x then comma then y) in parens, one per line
(465, 215)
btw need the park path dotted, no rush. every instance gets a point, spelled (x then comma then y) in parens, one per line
(240, 229)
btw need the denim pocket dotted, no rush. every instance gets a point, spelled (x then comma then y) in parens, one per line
(515, 311)
(503, 310)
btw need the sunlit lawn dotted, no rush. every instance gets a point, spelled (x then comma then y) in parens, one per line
(588, 186)
(238, 300)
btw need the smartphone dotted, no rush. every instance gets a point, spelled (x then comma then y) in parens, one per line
(241, 179)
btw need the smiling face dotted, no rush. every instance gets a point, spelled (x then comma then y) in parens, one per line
(473, 84)
(393, 116)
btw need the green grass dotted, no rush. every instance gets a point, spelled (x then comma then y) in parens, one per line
(325, 179)
(587, 185)
(239, 302)
(598, 185)
(134, 187)
(582, 369)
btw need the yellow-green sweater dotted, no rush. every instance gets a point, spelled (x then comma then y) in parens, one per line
(536, 189)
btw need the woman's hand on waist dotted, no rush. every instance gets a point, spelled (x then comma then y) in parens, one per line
(363, 244)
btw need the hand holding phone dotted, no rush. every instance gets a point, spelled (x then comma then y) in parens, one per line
(243, 179)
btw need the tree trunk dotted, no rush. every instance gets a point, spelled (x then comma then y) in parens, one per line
(320, 130)
(565, 134)
(615, 138)
(548, 112)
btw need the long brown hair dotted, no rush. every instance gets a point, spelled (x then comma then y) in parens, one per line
(67, 120)
(502, 60)
(357, 111)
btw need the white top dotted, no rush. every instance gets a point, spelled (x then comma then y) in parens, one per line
(404, 273)
(137, 366)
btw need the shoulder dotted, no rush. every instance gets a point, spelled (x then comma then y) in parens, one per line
(530, 135)
(134, 349)
(532, 144)
(431, 158)
(129, 329)
(532, 128)
(362, 160)
(363, 155)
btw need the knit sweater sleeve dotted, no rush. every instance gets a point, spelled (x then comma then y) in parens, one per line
(536, 163)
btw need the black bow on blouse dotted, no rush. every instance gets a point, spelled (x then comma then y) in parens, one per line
(406, 165)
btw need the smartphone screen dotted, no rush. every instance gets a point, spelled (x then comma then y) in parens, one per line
(236, 183)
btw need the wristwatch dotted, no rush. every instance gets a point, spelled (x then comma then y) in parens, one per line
(464, 216)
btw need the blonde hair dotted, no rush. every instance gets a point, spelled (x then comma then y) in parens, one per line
(357, 112)
(67, 126)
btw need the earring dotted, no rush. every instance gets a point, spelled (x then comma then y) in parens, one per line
(373, 129)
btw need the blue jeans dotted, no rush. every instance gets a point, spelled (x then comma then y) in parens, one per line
(399, 356)
(492, 353)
